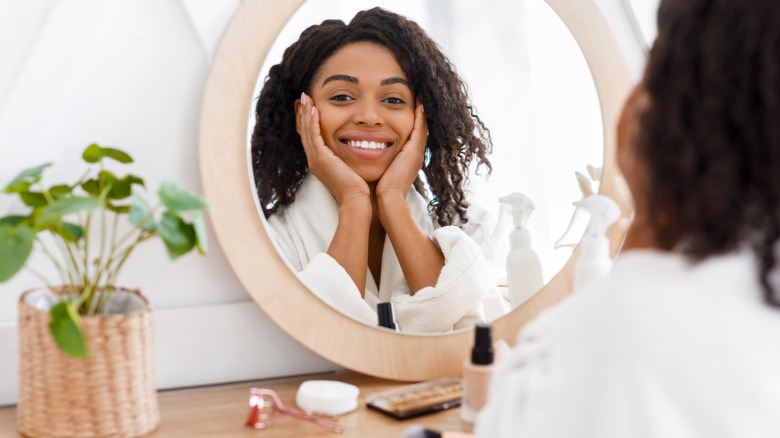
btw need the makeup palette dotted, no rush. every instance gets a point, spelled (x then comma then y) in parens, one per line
(418, 398)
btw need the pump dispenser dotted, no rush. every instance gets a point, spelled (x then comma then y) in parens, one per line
(594, 262)
(477, 373)
(523, 269)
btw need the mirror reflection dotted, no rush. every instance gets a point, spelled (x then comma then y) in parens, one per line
(528, 84)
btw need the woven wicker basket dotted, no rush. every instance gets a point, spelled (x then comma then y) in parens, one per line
(111, 393)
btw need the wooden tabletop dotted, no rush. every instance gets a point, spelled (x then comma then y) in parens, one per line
(221, 411)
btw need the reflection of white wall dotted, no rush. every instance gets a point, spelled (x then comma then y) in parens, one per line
(129, 74)
(534, 91)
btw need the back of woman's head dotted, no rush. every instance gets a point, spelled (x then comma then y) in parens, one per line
(710, 137)
(456, 136)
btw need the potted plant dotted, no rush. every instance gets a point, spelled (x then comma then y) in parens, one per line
(86, 357)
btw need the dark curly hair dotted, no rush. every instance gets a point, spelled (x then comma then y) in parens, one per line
(456, 135)
(710, 136)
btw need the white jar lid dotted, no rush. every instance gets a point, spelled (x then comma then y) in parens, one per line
(327, 396)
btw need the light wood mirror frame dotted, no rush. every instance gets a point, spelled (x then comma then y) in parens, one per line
(275, 288)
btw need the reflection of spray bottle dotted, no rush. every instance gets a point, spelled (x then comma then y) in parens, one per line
(579, 220)
(523, 269)
(594, 261)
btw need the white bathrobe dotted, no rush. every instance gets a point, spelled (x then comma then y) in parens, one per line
(660, 348)
(303, 232)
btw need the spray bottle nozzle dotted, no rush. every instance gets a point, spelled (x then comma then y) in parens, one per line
(603, 212)
(522, 207)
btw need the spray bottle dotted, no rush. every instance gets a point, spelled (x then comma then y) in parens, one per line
(594, 262)
(523, 269)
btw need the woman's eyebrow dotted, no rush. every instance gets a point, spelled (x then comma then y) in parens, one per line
(345, 78)
(354, 80)
(396, 80)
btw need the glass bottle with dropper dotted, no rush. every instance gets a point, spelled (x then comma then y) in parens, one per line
(477, 372)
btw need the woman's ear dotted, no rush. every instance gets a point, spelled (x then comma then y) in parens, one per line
(298, 116)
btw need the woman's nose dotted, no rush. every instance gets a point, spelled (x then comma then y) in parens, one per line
(367, 113)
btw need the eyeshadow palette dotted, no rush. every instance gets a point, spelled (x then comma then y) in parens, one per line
(418, 398)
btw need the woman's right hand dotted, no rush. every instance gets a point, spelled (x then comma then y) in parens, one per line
(349, 246)
(341, 181)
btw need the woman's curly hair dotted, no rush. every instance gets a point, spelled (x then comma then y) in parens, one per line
(710, 136)
(456, 135)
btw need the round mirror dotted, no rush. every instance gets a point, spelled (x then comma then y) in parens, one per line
(543, 169)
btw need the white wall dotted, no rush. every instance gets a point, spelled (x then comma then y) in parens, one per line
(129, 74)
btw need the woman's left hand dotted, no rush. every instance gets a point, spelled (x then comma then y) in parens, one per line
(420, 259)
(399, 177)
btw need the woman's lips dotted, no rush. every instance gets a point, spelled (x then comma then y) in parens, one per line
(355, 139)
(370, 145)
(367, 145)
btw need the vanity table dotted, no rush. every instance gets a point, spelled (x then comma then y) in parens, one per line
(220, 411)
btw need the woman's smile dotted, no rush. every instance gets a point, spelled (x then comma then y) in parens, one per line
(368, 145)
(367, 140)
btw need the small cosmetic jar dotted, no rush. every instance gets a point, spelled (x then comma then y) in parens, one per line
(327, 396)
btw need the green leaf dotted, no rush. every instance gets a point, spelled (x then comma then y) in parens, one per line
(135, 180)
(92, 153)
(24, 180)
(140, 211)
(14, 220)
(106, 179)
(70, 205)
(122, 188)
(178, 199)
(92, 187)
(65, 326)
(68, 231)
(60, 191)
(15, 247)
(200, 231)
(117, 155)
(95, 153)
(119, 209)
(179, 236)
(40, 222)
(33, 199)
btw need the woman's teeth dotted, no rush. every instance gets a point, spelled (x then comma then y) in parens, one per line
(366, 144)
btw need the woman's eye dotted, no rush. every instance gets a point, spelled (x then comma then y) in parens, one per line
(341, 97)
(394, 100)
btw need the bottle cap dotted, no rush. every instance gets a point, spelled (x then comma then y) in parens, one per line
(482, 353)
(522, 207)
(386, 315)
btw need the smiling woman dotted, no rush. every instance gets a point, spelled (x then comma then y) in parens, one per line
(353, 219)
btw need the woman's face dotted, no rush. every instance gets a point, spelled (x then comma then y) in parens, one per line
(366, 107)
